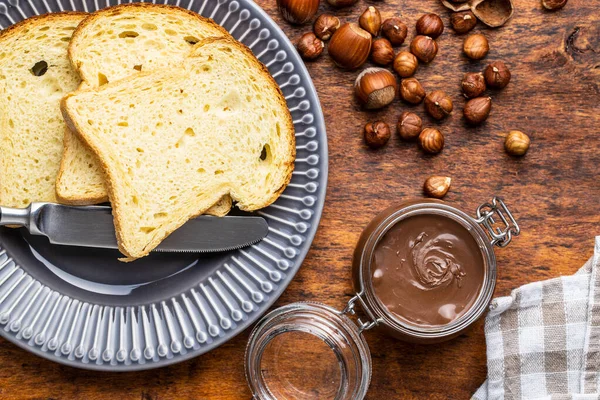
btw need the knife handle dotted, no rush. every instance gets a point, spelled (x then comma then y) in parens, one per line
(15, 216)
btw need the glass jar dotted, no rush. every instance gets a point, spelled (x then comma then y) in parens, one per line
(312, 351)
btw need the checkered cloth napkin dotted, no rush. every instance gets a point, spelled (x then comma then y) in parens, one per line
(543, 341)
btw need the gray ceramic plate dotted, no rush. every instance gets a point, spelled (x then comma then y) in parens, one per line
(83, 308)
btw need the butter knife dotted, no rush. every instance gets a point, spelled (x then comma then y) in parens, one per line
(92, 226)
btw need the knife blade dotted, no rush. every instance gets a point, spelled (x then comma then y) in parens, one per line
(92, 226)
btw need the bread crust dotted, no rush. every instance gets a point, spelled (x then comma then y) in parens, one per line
(220, 208)
(35, 20)
(16, 30)
(287, 164)
(137, 7)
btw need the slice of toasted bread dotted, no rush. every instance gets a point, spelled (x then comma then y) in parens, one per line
(35, 73)
(173, 141)
(114, 43)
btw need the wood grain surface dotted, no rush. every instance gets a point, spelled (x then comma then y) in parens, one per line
(554, 97)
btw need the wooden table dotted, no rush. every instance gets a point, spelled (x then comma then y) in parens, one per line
(554, 96)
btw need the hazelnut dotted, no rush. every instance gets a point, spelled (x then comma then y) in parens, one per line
(496, 75)
(377, 134)
(350, 46)
(473, 84)
(341, 3)
(394, 30)
(412, 91)
(438, 104)
(298, 11)
(424, 47)
(405, 64)
(430, 25)
(476, 46)
(477, 110)
(325, 25)
(375, 87)
(370, 20)
(463, 22)
(516, 143)
(382, 52)
(409, 125)
(309, 46)
(553, 5)
(437, 186)
(431, 140)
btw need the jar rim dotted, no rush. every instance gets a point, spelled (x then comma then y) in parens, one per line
(325, 323)
(378, 309)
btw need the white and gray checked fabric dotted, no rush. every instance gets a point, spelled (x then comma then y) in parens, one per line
(543, 341)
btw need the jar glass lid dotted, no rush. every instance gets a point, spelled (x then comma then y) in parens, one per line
(307, 351)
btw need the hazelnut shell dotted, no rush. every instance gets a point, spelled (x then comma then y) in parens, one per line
(375, 88)
(493, 13)
(298, 11)
(350, 46)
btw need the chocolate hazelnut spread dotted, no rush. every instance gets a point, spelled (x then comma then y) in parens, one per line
(427, 270)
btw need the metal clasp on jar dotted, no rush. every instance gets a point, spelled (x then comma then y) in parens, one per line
(351, 309)
(498, 222)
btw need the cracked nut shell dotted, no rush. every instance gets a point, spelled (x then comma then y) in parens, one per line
(431, 140)
(310, 46)
(438, 104)
(409, 125)
(350, 46)
(370, 20)
(424, 48)
(377, 134)
(412, 91)
(497, 75)
(325, 25)
(375, 88)
(394, 30)
(405, 64)
(477, 110)
(476, 46)
(516, 143)
(473, 84)
(382, 52)
(298, 11)
(430, 25)
(463, 21)
(437, 186)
